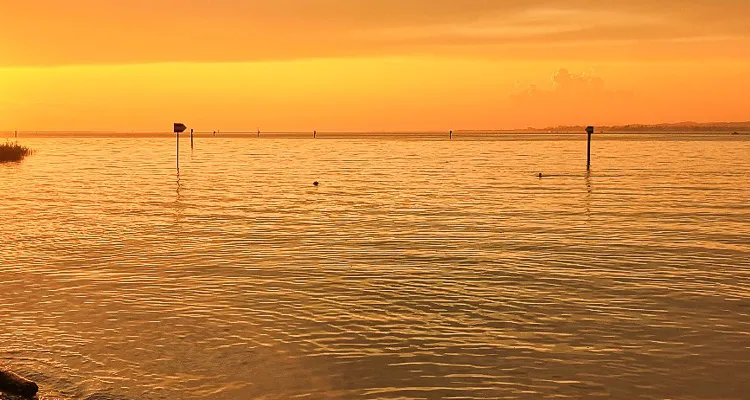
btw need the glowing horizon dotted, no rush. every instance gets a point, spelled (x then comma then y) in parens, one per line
(370, 65)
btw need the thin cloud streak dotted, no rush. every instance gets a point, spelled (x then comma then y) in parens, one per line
(50, 32)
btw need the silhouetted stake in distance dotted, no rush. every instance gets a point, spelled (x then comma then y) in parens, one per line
(16, 134)
(451, 135)
(590, 131)
(191, 139)
(15, 384)
(178, 128)
(315, 134)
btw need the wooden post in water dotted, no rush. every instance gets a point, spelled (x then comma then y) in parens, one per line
(589, 131)
(191, 139)
(315, 134)
(451, 135)
(178, 127)
(258, 132)
(16, 132)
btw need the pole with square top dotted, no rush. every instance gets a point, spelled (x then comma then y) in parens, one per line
(178, 127)
(589, 131)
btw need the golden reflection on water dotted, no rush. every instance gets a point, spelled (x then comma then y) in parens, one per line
(417, 269)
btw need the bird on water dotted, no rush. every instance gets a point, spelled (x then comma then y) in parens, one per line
(316, 183)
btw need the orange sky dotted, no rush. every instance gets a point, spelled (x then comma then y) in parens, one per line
(370, 64)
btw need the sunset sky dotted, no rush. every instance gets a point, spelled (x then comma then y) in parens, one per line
(370, 64)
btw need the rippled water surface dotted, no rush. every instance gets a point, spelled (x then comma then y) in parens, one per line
(420, 268)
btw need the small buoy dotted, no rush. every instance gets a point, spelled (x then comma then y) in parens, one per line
(540, 175)
(316, 183)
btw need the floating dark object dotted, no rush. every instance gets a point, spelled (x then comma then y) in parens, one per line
(540, 175)
(13, 383)
(316, 183)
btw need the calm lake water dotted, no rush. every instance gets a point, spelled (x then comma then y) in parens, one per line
(420, 268)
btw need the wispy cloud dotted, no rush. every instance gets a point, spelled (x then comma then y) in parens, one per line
(54, 32)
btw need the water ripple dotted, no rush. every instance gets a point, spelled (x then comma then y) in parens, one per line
(418, 269)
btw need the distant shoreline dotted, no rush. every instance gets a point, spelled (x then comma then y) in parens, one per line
(321, 135)
(689, 127)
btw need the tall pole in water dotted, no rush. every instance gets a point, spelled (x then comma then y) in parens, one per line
(451, 135)
(315, 134)
(589, 131)
(191, 139)
(178, 127)
(16, 132)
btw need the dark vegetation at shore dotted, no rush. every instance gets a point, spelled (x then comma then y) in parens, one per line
(10, 152)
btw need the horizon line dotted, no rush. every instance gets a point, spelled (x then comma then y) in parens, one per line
(676, 125)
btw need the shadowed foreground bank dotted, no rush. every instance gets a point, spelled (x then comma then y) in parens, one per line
(4, 396)
(11, 382)
(11, 152)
